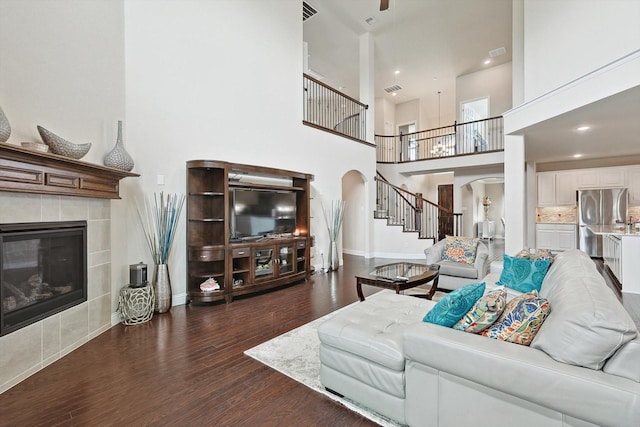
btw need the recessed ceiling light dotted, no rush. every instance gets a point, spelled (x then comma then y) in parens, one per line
(487, 62)
(583, 128)
(577, 156)
(396, 72)
(393, 94)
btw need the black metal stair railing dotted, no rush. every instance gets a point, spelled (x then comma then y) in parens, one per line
(401, 207)
(333, 111)
(479, 136)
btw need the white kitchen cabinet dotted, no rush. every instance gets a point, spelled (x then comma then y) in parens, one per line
(633, 183)
(545, 236)
(556, 237)
(557, 188)
(611, 252)
(566, 186)
(602, 177)
(547, 189)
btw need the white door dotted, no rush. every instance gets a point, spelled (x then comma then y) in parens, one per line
(472, 135)
(408, 141)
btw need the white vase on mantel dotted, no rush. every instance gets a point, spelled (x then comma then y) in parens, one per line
(118, 157)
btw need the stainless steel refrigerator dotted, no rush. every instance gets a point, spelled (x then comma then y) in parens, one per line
(597, 208)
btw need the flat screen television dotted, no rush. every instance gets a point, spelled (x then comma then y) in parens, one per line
(262, 212)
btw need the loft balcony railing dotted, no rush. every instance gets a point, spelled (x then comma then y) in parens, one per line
(479, 136)
(332, 111)
(414, 213)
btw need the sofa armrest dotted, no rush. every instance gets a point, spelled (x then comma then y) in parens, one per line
(526, 373)
(434, 252)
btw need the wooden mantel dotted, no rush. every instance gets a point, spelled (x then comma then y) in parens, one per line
(27, 171)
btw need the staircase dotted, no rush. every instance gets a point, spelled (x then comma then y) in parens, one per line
(414, 213)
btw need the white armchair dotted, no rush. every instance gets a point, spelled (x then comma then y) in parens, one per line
(454, 275)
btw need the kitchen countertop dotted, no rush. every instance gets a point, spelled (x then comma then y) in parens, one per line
(613, 229)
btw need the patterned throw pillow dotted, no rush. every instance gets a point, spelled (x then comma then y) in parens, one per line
(522, 274)
(521, 320)
(454, 305)
(460, 249)
(484, 312)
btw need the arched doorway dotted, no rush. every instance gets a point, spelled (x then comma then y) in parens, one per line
(355, 226)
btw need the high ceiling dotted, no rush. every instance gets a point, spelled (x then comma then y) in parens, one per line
(430, 43)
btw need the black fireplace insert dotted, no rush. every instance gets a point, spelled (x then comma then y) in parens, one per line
(43, 271)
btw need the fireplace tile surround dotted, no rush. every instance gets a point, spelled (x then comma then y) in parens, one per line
(27, 350)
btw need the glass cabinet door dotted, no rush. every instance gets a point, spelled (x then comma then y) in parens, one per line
(286, 260)
(263, 259)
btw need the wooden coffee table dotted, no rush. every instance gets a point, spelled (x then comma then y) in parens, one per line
(400, 276)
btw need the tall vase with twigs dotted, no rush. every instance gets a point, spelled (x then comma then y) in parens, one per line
(159, 218)
(333, 218)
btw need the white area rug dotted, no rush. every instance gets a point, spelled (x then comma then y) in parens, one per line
(297, 355)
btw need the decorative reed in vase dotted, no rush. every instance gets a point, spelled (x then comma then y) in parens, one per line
(333, 219)
(159, 218)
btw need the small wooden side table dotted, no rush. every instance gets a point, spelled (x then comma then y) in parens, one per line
(136, 304)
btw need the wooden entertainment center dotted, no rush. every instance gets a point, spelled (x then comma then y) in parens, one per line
(242, 265)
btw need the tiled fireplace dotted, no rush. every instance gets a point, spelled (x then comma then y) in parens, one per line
(28, 349)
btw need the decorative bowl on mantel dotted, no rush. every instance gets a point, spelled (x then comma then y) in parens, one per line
(63, 147)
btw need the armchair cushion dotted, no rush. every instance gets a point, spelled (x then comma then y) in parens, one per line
(460, 249)
(458, 269)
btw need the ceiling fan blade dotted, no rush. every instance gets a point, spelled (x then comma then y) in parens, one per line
(384, 5)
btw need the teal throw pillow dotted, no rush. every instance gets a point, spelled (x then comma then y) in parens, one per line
(454, 305)
(521, 274)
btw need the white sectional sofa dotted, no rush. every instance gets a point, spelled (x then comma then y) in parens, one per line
(379, 353)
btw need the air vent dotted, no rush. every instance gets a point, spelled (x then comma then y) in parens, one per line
(307, 11)
(497, 52)
(392, 89)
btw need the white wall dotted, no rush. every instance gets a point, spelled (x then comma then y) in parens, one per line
(566, 39)
(408, 112)
(62, 67)
(385, 117)
(494, 82)
(224, 83)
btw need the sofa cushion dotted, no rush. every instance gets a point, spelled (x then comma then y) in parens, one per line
(588, 324)
(372, 329)
(522, 274)
(460, 249)
(624, 363)
(534, 254)
(454, 305)
(484, 312)
(521, 320)
(458, 269)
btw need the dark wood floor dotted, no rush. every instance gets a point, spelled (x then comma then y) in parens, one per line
(187, 367)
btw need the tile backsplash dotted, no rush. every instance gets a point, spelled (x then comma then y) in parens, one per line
(557, 214)
(569, 214)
